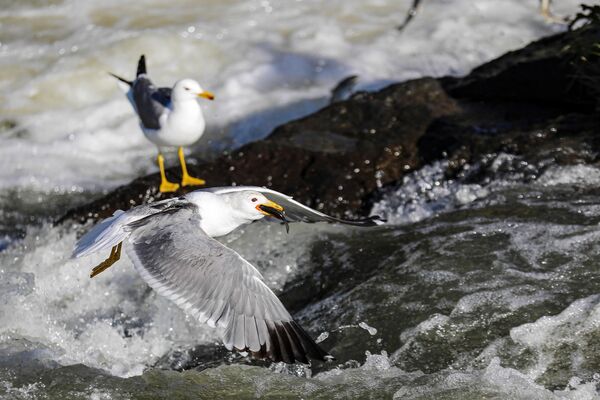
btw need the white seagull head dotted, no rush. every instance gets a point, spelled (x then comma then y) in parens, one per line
(252, 205)
(189, 89)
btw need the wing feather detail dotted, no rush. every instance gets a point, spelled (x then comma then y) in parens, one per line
(150, 102)
(216, 285)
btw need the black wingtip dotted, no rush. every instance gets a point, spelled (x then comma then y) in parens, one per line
(312, 349)
(121, 79)
(141, 68)
(374, 220)
(289, 343)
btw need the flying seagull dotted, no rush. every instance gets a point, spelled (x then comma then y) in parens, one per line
(171, 245)
(168, 118)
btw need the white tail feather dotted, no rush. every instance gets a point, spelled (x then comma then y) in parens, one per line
(104, 235)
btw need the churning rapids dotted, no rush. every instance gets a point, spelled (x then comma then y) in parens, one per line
(485, 290)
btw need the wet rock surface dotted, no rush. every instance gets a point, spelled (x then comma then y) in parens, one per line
(336, 159)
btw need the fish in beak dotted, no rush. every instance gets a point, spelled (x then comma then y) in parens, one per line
(272, 209)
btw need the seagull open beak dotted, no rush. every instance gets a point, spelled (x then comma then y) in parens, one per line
(207, 95)
(272, 209)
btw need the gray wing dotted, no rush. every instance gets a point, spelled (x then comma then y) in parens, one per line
(150, 102)
(216, 285)
(110, 231)
(296, 211)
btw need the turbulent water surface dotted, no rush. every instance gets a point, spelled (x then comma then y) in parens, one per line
(472, 290)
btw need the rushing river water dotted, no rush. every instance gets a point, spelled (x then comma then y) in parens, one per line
(473, 290)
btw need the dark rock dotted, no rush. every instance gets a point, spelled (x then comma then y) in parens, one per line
(542, 73)
(526, 102)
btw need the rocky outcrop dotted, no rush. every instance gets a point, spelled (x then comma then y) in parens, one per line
(527, 102)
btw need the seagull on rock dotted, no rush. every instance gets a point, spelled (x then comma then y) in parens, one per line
(168, 118)
(171, 245)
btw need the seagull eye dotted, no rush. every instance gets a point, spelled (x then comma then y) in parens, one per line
(186, 88)
(254, 199)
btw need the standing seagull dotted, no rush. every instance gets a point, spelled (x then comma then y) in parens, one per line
(168, 118)
(171, 245)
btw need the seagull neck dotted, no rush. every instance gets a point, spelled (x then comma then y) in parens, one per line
(218, 217)
(224, 223)
(185, 104)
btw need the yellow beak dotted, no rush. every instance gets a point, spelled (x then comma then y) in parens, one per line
(273, 209)
(207, 95)
(269, 205)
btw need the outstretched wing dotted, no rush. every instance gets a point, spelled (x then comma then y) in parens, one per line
(150, 102)
(216, 285)
(110, 232)
(296, 211)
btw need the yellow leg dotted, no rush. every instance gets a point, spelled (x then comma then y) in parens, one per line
(186, 179)
(165, 185)
(115, 255)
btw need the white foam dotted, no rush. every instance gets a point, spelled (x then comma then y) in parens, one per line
(585, 175)
(28, 391)
(425, 193)
(267, 62)
(372, 331)
(494, 381)
(379, 362)
(548, 337)
(436, 321)
(73, 156)
(114, 321)
(322, 336)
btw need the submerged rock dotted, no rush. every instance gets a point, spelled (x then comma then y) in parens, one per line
(526, 102)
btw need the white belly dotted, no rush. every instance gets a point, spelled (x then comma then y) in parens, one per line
(177, 129)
